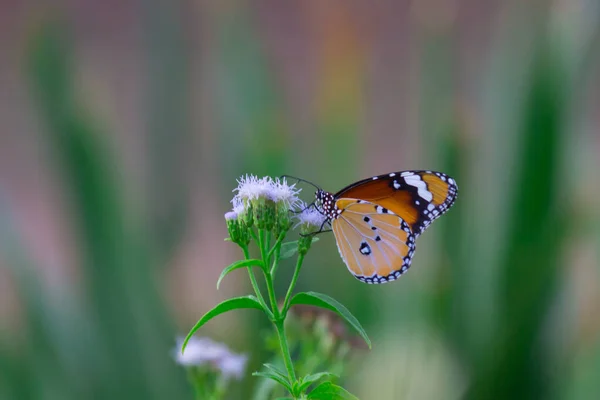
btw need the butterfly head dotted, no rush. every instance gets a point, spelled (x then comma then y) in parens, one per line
(326, 203)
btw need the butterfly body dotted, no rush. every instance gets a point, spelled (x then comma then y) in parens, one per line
(376, 221)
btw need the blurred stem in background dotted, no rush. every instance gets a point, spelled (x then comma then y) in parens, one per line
(124, 308)
(169, 140)
(514, 365)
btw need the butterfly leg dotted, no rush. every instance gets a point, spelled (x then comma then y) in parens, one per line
(321, 230)
(305, 208)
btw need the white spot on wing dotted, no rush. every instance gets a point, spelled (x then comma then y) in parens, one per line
(415, 180)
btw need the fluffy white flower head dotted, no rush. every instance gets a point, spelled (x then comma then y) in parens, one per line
(199, 351)
(233, 365)
(309, 218)
(238, 205)
(231, 216)
(250, 187)
(204, 351)
(285, 194)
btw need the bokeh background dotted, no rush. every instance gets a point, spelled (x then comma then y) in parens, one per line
(124, 125)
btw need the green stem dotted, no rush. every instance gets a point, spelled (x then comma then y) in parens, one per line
(268, 246)
(220, 388)
(263, 239)
(259, 295)
(288, 296)
(285, 350)
(277, 250)
(272, 298)
(197, 384)
(275, 261)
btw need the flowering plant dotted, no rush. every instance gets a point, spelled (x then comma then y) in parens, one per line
(210, 366)
(261, 214)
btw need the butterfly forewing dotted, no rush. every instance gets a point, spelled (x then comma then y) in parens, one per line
(376, 244)
(418, 197)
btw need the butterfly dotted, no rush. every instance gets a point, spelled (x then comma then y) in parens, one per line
(376, 221)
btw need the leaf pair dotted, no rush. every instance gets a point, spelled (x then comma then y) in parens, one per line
(275, 374)
(324, 391)
(307, 298)
(327, 391)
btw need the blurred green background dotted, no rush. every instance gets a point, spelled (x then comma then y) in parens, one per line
(125, 125)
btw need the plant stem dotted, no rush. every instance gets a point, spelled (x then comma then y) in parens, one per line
(259, 295)
(285, 351)
(263, 245)
(277, 244)
(272, 298)
(199, 387)
(286, 302)
(277, 250)
(220, 388)
(275, 261)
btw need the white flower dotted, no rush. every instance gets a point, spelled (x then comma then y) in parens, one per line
(233, 365)
(250, 187)
(278, 190)
(231, 215)
(309, 217)
(286, 194)
(238, 205)
(204, 351)
(199, 351)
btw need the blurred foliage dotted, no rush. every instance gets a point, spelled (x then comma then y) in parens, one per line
(494, 307)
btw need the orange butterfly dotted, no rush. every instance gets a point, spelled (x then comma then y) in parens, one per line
(377, 220)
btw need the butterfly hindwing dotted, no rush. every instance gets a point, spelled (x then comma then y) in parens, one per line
(418, 197)
(376, 244)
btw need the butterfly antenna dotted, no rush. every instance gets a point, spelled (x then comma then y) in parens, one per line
(301, 180)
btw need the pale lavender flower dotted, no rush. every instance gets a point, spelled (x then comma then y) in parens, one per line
(206, 352)
(199, 351)
(285, 194)
(231, 216)
(309, 219)
(250, 187)
(233, 366)
(238, 206)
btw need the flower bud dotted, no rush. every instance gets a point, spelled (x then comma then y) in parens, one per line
(238, 231)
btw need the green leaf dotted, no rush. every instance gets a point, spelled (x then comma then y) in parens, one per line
(288, 249)
(240, 264)
(276, 370)
(310, 379)
(227, 305)
(324, 301)
(283, 382)
(329, 391)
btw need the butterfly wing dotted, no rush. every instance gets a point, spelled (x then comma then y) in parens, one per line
(418, 197)
(376, 244)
